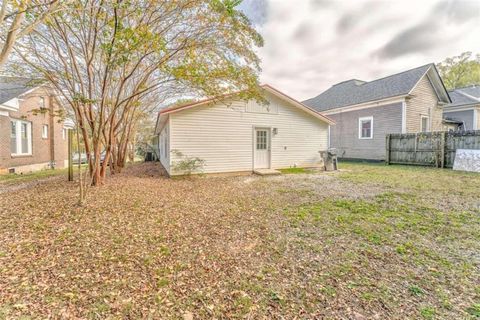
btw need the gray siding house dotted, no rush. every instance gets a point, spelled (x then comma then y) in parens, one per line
(464, 111)
(364, 112)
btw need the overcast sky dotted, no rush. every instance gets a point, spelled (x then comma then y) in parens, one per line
(312, 44)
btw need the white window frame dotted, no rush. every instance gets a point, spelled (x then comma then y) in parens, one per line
(423, 116)
(362, 119)
(44, 131)
(18, 128)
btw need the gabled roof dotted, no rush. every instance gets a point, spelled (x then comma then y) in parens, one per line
(353, 92)
(13, 87)
(465, 96)
(164, 112)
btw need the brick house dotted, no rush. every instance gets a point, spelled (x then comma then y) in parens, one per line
(30, 140)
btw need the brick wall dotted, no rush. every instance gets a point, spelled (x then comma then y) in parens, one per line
(41, 148)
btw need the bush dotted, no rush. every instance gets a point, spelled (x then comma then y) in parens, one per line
(187, 165)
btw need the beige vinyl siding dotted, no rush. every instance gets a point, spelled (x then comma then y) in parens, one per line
(222, 135)
(164, 147)
(478, 118)
(424, 102)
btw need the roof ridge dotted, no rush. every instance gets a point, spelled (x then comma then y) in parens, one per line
(353, 79)
(468, 96)
(374, 80)
(398, 73)
(466, 87)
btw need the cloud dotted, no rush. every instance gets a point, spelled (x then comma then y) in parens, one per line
(420, 38)
(321, 4)
(311, 45)
(303, 32)
(429, 34)
(458, 11)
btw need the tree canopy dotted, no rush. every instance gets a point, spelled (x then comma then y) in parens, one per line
(19, 18)
(112, 62)
(460, 71)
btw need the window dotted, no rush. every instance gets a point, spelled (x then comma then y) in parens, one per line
(424, 124)
(45, 131)
(365, 128)
(64, 133)
(13, 138)
(42, 102)
(261, 140)
(21, 138)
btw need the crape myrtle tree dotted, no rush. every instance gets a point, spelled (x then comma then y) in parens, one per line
(109, 58)
(19, 18)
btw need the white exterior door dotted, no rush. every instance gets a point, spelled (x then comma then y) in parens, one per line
(261, 148)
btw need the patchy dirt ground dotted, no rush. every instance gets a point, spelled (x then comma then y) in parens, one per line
(368, 242)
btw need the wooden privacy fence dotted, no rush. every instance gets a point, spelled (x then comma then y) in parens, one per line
(430, 148)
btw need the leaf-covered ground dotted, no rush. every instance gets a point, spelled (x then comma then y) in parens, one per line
(368, 242)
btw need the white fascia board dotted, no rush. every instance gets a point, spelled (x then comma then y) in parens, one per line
(475, 119)
(468, 107)
(10, 105)
(404, 116)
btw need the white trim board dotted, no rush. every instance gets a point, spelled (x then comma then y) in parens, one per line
(465, 107)
(475, 120)
(404, 117)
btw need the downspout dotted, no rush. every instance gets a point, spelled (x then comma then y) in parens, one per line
(329, 141)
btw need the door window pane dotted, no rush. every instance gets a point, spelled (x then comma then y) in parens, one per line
(261, 140)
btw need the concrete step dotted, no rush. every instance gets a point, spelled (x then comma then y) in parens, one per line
(266, 172)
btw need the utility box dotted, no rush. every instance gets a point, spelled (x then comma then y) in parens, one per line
(329, 159)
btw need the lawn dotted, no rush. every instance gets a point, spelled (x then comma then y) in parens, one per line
(370, 241)
(13, 178)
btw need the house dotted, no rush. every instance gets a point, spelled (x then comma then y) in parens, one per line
(464, 111)
(231, 135)
(364, 112)
(30, 140)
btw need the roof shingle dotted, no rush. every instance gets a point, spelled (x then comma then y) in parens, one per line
(354, 91)
(12, 87)
(465, 96)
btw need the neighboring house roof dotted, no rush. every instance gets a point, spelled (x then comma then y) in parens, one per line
(13, 87)
(353, 92)
(266, 87)
(465, 96)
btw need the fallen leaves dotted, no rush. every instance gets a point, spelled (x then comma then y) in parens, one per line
(293, 246)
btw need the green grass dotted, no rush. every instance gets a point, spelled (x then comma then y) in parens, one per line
(294, 170)
(26, 177)
(13, 178)
(417, 178)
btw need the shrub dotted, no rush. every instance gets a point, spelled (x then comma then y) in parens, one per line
(187, 165)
